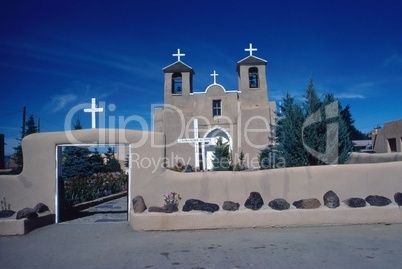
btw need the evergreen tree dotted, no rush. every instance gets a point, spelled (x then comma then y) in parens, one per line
(314, 127)
(96, 161)
(77, 124)
(338, 144)
(18, 157)
(112, 165)
(355, 134)
(286, 147)
(313, 133)
(76, 160)
(222, 158)
(30, 128)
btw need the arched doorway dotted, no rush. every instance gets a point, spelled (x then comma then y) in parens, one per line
(215, 133)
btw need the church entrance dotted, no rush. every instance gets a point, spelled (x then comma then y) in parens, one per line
(215, 133)
(92, 182)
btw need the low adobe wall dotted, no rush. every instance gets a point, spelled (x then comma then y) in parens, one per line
(356, 157)
(358, 180)
(37, 182)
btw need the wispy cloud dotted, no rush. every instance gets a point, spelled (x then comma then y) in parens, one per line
(58, 102)
(394, 59)
(350, 96)
(77, 56)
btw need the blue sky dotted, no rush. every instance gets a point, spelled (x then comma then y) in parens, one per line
(55, 55)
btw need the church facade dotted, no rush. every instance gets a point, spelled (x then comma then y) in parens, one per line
(193, 121)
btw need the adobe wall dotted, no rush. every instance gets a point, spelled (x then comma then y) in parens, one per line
(347, 181)
(37, 182)
(356, 158)
(357, 180)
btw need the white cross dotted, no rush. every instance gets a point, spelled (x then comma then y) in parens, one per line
(251, 49)
(214, 75)
(178, 54)
(93, 110)
(197, 142)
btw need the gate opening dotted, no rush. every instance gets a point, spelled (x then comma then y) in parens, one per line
(92, 182)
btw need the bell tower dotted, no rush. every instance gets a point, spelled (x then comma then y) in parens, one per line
(178, 80)
(252, 80)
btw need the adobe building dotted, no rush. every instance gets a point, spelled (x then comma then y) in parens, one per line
(193, 121)
(389, 138)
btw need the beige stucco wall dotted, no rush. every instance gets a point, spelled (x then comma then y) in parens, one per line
(37, 182)
(358, 180)
(358, 158)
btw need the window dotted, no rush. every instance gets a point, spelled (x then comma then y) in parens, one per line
(253, 77)
(176, 83)
(392, 144)
(216, 108)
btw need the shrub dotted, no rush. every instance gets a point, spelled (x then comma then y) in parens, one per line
(82, 189)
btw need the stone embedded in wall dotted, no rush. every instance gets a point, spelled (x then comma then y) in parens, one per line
(6, 213)
(230, 206)
(254, 201)
(377, 200)
(139, 204)
(331, 200)
(170, 208)
(27, 213)
(194, 204)
(310, 203)
(355, 202)
(157, 209)
(398, 198)
(40, 208)
(279, 204)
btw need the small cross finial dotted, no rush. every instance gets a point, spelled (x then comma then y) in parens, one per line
(251, 49)
(214, 75)
(178, 54)
(93, 110)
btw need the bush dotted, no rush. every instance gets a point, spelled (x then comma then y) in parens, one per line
(82, 189)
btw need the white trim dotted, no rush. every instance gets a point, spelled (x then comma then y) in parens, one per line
(253, 57)
(219, 85)
(130, 161)
(216, 127)
(176, 63)
(225, 91)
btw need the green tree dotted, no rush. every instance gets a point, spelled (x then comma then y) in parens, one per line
(112, 165)
(286, 143)
(222, 158)
(96, 161)
(355, 134)
(76, 160)
(30, 128)
(313, 133)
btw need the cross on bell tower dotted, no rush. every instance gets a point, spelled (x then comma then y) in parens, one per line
(178, 54)
(251, 49)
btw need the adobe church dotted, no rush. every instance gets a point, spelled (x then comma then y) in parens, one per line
(193, 121)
